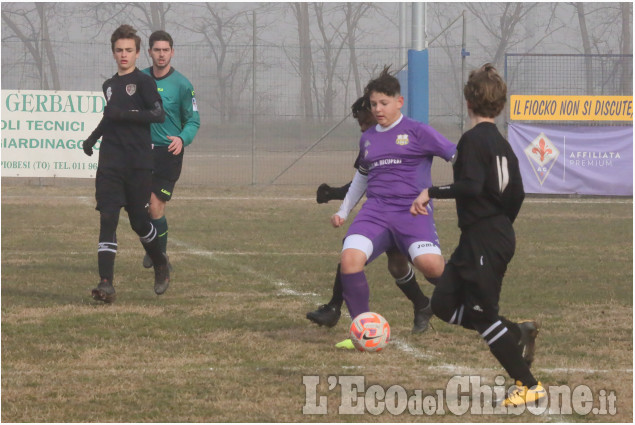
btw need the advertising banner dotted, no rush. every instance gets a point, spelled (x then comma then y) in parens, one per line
(43, 131)
(574, 159)
(570, 108)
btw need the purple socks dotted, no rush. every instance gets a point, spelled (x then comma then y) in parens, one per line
(356, 293)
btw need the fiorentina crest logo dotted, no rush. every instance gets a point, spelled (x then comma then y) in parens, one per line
(131, 89)
(542, 155)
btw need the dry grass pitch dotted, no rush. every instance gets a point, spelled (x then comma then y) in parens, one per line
(229, 341)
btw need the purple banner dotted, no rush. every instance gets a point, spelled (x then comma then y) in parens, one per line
(574, 159)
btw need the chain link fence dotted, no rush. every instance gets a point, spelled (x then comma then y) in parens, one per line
(570, 75)
(253, 128)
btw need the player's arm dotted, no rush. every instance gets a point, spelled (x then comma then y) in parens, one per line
(91, 140)
(148, 116)
(435, 143)
(153, 112)
(190, 117)
(514, 195)
(469, 184)
(352, 198)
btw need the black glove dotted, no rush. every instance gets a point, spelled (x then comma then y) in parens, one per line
(88, 145)
(113, 112)
(323, 193)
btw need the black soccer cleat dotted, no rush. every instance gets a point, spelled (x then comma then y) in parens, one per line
(147, 261)
(422, 319)
(325, 315)
(161, 277)
(528, 333)
(104, 292)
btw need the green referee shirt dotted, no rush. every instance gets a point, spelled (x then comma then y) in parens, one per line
(181, 112)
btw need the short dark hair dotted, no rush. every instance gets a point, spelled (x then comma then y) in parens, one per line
(485, 91)
(160, 35)
(127, 32)
(361, 105)
(385, 83)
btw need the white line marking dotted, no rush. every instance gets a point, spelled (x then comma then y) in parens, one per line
(401, 345)
(312, 199)
(287, 290)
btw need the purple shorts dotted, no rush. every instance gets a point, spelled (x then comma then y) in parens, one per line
(376, 230)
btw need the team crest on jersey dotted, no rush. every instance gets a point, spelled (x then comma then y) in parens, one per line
(194, 107)
(367, 143)
(131, 89)
(402, 139)
(542, 155)
(108, 94)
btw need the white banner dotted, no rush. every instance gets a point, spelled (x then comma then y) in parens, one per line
(43, 132)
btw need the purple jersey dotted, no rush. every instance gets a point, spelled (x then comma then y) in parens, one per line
(398, 161)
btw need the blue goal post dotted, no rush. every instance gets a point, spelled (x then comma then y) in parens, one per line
(417, 87)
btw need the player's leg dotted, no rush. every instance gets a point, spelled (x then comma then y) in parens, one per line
(400, 269)
(167, 170)
(138, 196)
(483, 254)
(160, 222)
(366, 240)
(417, 236)
(329, 314)
(356, 251)
(110, 196)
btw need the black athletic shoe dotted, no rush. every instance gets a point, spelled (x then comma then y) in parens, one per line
(161, 278)
(422, 319)
(147, 261)
(528, 333)
(325, 315)
(104, 292)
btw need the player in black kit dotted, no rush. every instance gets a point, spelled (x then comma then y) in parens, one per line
(124, 173)
(488, 190)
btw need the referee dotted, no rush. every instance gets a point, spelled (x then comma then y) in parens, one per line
(170, 137)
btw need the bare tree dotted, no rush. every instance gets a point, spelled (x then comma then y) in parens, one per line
(500, 20)
(333, 43)
(30, 26)
(147, 17)
(301, 12)
(225, 32)
(597, 26)
(586, 46)
(353, 13)
(626, 11)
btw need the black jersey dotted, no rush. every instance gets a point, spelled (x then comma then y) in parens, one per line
(487, 179)
(126, 140)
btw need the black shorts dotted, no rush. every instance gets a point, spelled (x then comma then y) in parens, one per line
(167, 170)
(123, 187)
(475, 271)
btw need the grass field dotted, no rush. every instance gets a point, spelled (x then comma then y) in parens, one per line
(229, 341)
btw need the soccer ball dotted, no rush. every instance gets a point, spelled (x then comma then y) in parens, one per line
(370, 332)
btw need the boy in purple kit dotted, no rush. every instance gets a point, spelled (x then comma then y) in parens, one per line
(398, 265)
(395, 161)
